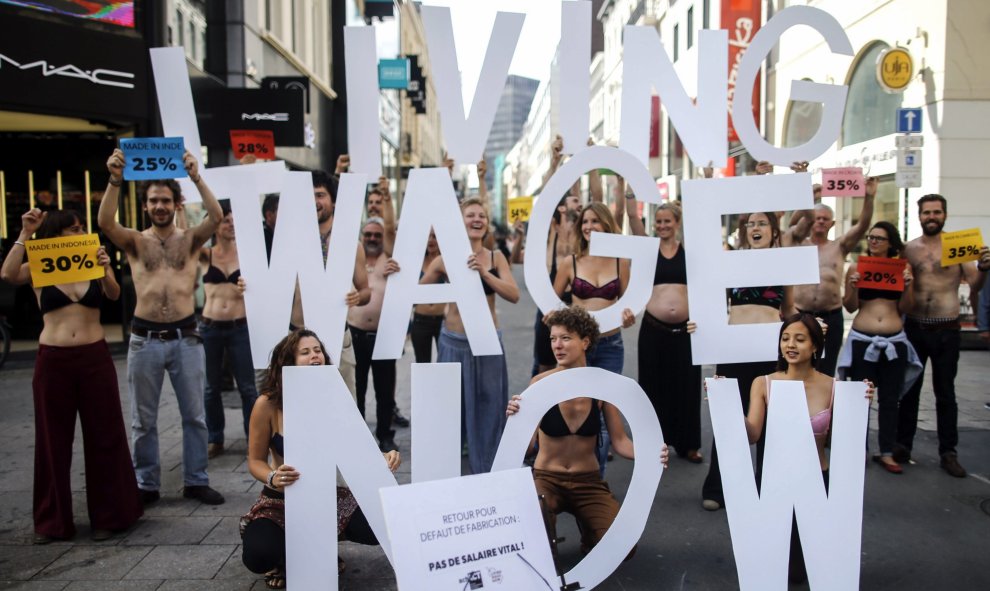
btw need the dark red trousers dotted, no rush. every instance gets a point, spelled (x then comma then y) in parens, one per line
(80, 380)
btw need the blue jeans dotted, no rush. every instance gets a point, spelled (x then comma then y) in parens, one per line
(608, 354)
(148, 358)
(220, 337)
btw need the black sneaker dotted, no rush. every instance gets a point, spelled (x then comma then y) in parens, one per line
(149, 496)
(398, 420)
(203, 494)
(388, 444)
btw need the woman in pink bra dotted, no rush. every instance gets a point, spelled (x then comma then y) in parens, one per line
(74, 374)
(595, 284)
(801, 343)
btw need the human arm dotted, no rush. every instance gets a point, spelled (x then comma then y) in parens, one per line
(393, 460)
(850, 239)
(361, 294)
(388, 216)
(595, 182)
(787, 306)
(482, 184)
(124, 238)
(518, 253)
(619, 209)
(976, 274)
(504, 284)
(209, 225)
(906, 302)
(565, 275)
(108, 283)
(513, 408)
(15, 270)
(259, 438)
(850, 298)
(434, 273)
(343, 163)
(625, 266)
(757, 409)
(636, 225)
(556, 156)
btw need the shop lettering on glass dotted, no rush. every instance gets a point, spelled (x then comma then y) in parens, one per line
(101, 76)
(430, 201)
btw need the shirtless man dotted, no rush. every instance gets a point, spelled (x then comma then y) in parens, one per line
(362, 321)
(323, 186)
(824, 299)
(932, 326)
(164, 262)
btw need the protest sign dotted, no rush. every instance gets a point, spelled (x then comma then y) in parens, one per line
(843, 182)
(149, 158)
(961, 247)
(257, 142)
(68, 259)
(485, 530)
(881, 273)
(519, 209)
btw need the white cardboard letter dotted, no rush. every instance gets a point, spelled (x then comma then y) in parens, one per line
(175, 102)
(436, 404)
(832, 97)
(711, 270)
(575, 75)
(361, 72)
(626, 395)
(702, 128)
(641, 250)
(430, 201)
(466, 139)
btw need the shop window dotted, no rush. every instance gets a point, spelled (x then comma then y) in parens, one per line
(870, 111)
(801, 122)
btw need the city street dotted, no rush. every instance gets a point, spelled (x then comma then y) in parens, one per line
(922, 530)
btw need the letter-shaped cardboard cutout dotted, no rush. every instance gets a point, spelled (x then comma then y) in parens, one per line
(175, 103)
(641, 250)
(465, 138)
(832, 97)
(575, 74)
(760, 523)
(361, 71)
(436, 385)
(711, 269)
(626, 395)
(430, 201)
(702, 128)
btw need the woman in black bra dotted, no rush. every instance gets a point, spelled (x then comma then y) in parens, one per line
(877, 348)
(750, 305)
(74, 374)
(223, 326)
(263, 526)
(566, 467)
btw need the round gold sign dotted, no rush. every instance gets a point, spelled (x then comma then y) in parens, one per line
(895, 69)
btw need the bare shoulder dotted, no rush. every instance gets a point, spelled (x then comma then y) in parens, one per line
(265, 405)
(545, 374)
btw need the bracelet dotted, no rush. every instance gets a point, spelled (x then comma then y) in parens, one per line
(196, 180)
(119, 182)
(21, 243)
(271, 480)
(630, 195)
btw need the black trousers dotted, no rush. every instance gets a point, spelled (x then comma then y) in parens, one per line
(671, 382)
(383, 374)
(941, 345)
(264, 542)
(425, 332)
(833, 338)
(888, 376)
(796, 570)
(745, 373)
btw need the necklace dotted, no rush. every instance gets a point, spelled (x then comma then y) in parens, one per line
(165, 239)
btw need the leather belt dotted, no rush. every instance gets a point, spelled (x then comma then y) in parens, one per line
(169, 334)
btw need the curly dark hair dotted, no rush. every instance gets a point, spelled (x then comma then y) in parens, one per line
(814, 329)
(284, 354)
(577, 320)
(894, 243)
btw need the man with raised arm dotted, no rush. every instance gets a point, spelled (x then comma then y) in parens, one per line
(932, 326)
(164, 263)
(824, 299)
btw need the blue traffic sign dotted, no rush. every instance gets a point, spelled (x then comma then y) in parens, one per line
(909, 120)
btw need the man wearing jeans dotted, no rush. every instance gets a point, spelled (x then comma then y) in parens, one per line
(163, 261)
(932, 326)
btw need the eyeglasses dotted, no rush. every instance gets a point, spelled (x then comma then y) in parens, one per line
(372, 234)
(759, 224)
(877, 239)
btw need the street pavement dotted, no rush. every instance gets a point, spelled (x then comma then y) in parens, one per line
(922, 530)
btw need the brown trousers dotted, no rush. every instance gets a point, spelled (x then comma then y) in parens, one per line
(584, 495)
(80, 380)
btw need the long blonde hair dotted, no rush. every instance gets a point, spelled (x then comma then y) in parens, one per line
(606, 219)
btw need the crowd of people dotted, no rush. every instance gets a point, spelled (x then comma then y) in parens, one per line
(893, 335)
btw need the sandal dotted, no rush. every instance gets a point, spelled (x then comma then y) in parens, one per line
(275, 579)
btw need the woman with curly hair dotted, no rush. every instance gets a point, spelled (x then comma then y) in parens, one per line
(566, 468)
(877, 348)
(263, 527)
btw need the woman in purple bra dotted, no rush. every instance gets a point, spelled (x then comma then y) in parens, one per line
(801, 343)
(223, 326)
(566, 467)
(595, 284)
(74, 374)
(263, 526)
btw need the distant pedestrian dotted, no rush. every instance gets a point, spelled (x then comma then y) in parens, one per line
(74, 374)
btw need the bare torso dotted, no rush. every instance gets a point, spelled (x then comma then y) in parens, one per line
(597, 271)
(570, 453)
(366, 317)
(74, 324)
(827, 294)
(164, 276)
(223, 300)
(936, 288)
(669, 301)
(429, 309)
